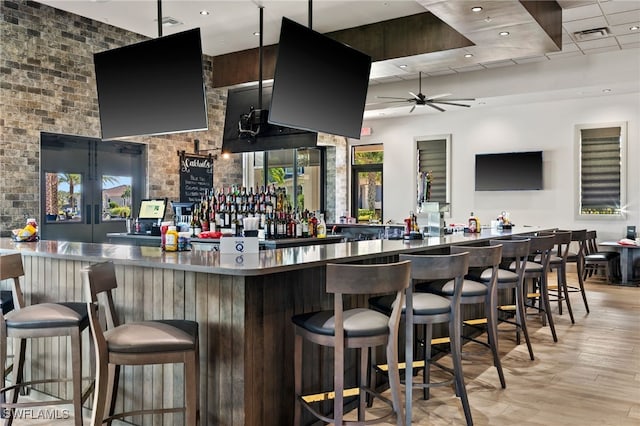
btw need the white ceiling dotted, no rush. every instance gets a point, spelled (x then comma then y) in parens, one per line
(231, 24)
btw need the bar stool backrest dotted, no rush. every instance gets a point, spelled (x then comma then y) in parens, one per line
(516, 249)
(591, 245)
(437, 267)
(562, 241)
(101, 278)
(480, 257)
(11, 268)
(367, 279)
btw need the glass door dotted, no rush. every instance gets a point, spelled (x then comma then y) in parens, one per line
(366, 183)
(88, 186)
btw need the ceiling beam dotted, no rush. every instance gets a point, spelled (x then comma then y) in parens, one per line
(395, 38)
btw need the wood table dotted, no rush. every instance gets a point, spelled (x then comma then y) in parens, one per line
(628, 254)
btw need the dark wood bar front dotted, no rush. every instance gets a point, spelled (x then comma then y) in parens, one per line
(243, 305)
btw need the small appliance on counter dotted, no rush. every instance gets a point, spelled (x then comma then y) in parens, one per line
(430, 218)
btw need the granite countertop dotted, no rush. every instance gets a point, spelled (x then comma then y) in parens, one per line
(262, 263)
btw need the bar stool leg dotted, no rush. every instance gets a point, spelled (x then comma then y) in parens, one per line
(113, 376)
(461, 391)
(364, 364)
(491, 308)
(522, 321)
(408, 359)
(100, 392)
(3, 362)
(580, 266)
(426, 374)
(394, 377)
(546, 304)
(297, 380)
(76, 360)
(191, 394)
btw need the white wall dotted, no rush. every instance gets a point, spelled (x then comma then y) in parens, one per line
(541, 125)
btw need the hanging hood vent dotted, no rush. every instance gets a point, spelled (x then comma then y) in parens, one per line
(592, 34)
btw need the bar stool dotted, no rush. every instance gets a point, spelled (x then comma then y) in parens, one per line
(136, 343)
(558, 261)
(40, 320)
(595, 260)
(580, 238)
(429, 309)
(539, 248)
(354, 328)
(515, 250)
(475, 292)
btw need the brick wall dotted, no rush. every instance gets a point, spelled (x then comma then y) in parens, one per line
(47, 84)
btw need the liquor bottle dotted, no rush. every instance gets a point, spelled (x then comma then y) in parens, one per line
(322, 227)
(305, 225)
(313, 223)
(298, 226)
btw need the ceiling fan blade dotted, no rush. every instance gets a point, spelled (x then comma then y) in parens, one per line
(416, 96)
(393, 97)
(459, 100)
(412, 108)
(441, 95)
(449, 103)
(435, 106)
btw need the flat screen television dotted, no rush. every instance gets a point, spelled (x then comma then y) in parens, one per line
(240, 101)
(511, 171)
(152, 208)
(153, 87)
(319, 83)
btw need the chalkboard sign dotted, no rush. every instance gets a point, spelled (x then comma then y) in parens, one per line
(196, 177)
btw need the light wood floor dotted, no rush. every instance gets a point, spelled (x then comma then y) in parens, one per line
(590, 377)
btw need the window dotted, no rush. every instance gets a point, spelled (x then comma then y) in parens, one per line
(299, 171)
(601, 169)
(366, 182)
(433, 158)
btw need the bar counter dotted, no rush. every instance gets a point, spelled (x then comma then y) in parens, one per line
(243, 304)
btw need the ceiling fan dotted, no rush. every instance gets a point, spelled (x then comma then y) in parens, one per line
(421, 99)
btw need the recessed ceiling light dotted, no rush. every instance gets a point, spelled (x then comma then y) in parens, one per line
(606, 90)
(256, 33)
(476, 9)
(634, 28)
(403, 66)
(468, 55)
(204, 12)
(504, 33)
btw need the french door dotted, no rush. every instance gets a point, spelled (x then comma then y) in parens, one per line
(89, 186)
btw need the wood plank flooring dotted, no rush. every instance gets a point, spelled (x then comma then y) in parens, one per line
(590, 377)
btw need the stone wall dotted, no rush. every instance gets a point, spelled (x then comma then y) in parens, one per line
(47, 84)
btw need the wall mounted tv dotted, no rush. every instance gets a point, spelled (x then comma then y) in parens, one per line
(153, 87)
(319, 83)
(240, 101)
(511, 171)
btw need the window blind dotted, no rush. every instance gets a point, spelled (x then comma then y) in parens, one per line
(432, 156)
(601, 170)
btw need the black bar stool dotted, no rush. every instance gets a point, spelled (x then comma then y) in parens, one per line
(428, 309)
(40, 320)
(595, 260)
(359, 328)
(474, 292)
(136, 343)
(579, 237)
(558, 261)
(515, 252)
